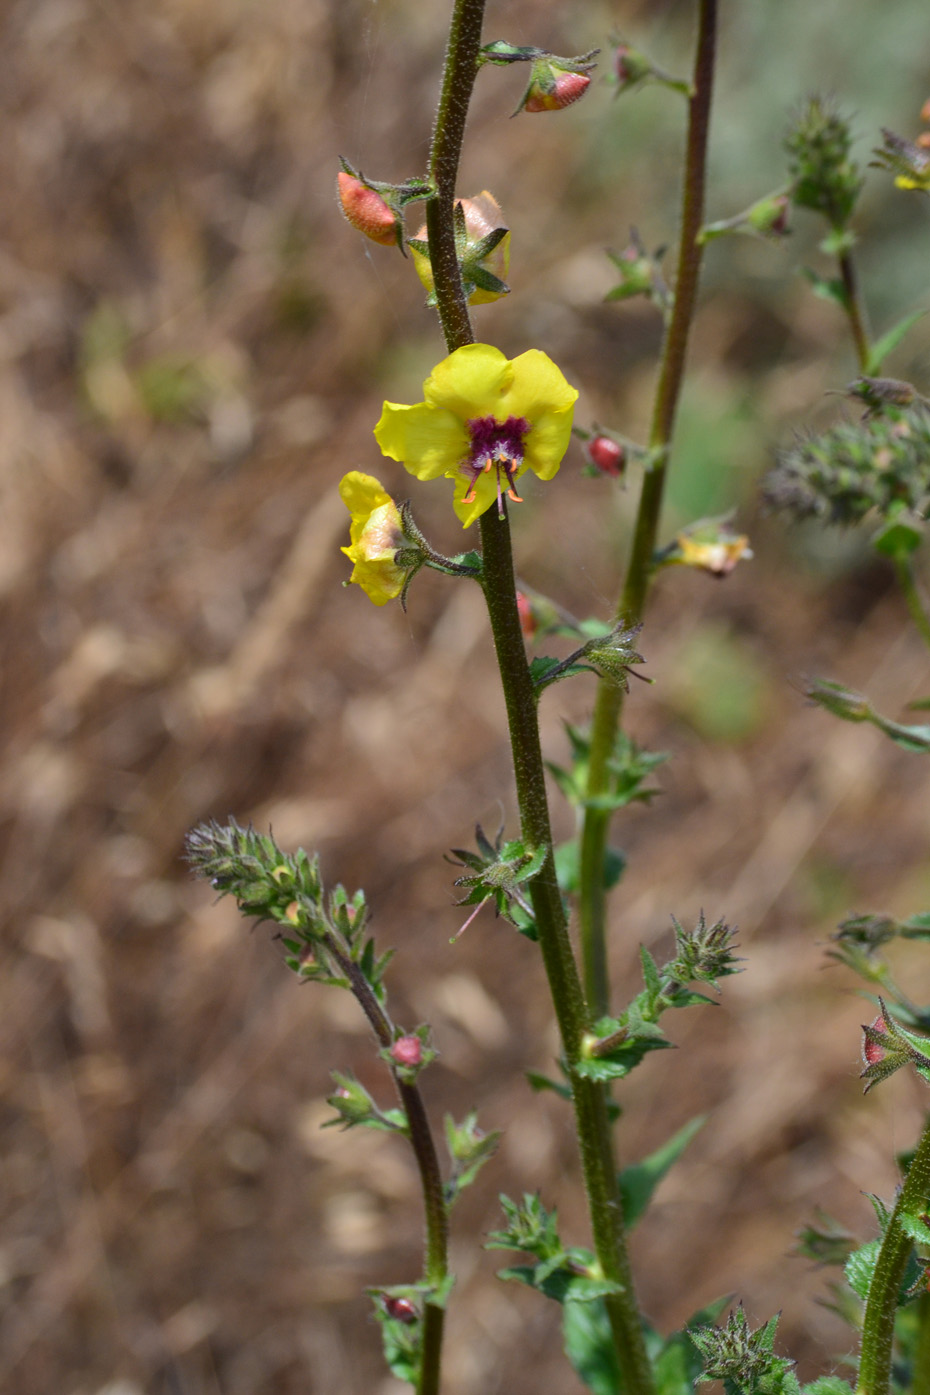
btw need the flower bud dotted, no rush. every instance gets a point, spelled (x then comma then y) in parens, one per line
(407, 1051)
(606, 455)
(551, 91)
(873, 1050)
(527, 618)
(556, 82)
(401, 1309)
(366, 210)
(770, 215)
(630, 66)
(484, 255)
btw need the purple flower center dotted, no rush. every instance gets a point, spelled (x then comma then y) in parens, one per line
(495, 445)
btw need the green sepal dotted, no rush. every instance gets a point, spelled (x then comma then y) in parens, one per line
(503, 54)
(469, 1149)
(639, 1180)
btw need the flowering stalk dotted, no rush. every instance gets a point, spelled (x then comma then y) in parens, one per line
(608, 705)
(884, 1289)
(593, 1126)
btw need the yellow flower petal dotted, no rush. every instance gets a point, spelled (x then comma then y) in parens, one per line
(361, 494)
(485, 497)
(428, 442)
(538, 387)
(471, 382)
(375, 535)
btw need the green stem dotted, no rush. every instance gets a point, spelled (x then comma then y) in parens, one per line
(590, 1103)
(609, 700)
(920, 1375)
(424, 1150)
(855, 310)
(882, 1302)
(589, 1099)
(908, 583)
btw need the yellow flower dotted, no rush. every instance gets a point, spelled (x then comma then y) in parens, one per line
(718, 555)
(376, 536)
(485, 420)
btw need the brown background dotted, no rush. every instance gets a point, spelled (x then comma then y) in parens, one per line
(195, 348)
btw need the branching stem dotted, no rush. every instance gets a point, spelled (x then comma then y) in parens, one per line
(424, 1149)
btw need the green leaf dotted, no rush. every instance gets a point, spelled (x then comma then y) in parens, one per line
(540, 1082)
(860, 1267)
(824, 288)
(639, 1180)
(916, 1228)
(567, 867)
(828, 1385)
(890, 340)
(590, 1348)
(650, 972)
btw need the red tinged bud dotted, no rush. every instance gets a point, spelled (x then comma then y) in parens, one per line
(563, 89)
(925, 111)
(527, 618)
(366, 210)
(606, 455)
(630, 66)
(407, 1051)
(401, 1309)
(872, 1051)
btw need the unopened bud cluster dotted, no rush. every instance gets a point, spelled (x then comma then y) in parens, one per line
(824, 178)
(744, 1360)
(882, 463)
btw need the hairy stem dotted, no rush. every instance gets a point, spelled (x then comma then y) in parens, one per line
(920, 1375)
(593, 1126)
(882, 1302)
(424, 1150)
(590, 1104)
(609, 699)
(855, 311)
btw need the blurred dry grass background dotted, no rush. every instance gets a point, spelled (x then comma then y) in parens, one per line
(194, 349)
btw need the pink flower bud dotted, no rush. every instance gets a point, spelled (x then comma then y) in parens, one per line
(407, 1051)
(630, 66)
(366, 210)
(554, 90)
(871, 1050)
(527, 618)
(402, 1309)
(607, 455)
